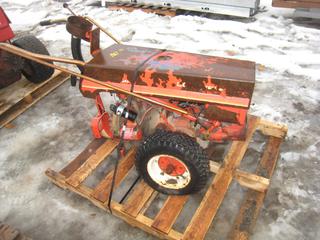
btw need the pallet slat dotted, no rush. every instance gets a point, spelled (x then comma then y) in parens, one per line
(102, 190)
(9, 233)
(252, 181)
(140, 221)
(253, 201)
(26, 95)
(93, 161)
(84, 155)
(169, 213)
(167, 11)
(245, 179)
(208, 208)
(272, 129)
(143, 223)
(137, 199)
(148, 203)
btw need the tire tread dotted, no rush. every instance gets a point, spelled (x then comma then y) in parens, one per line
(40, 72)
(181, 142)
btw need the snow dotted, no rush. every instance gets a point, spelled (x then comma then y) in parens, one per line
(287, 88)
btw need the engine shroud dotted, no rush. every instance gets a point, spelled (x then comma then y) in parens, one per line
(171, 71)
(224, 86)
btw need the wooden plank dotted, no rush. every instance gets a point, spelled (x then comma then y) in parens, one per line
(82, 190)
(140, 221)
(169, 213)
(21, 89)
(93, 161)
(57, 178)
(102, 190)
(253, 201)
(146, 8)
(245, 179)
(7, 232)
(82, 157)
(170, 12)
(143, 223)
(252, 181)
(148, 203)
(272, 129)
(208, 208)
(26, 95)
(137, 199)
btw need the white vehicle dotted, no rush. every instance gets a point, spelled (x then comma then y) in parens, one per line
(240, 8)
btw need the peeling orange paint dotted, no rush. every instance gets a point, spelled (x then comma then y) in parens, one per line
(125, 78)
(173, 81)
(146, 77)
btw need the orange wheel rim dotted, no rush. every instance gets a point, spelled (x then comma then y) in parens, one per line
(168, 171)
(171, 166)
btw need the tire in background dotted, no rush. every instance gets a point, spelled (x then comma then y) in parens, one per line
(180, 146)
(10, 68)
(33, 71)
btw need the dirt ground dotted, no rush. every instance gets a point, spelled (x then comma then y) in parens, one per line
(56, 129)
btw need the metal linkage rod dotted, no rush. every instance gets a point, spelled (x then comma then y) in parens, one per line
(102, 29)
(43, 58)
(65, 5)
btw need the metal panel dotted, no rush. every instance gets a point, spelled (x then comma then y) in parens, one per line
(173, 72)
(241, 8)
(202, 7)
(239, 3)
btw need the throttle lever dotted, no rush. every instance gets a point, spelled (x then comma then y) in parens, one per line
(66, 5)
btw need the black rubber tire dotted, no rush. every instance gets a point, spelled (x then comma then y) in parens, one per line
(34, 72)
(10, 68)
(180, 146)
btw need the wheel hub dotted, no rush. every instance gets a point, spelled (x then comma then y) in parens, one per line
(171, 166)
(168, 171)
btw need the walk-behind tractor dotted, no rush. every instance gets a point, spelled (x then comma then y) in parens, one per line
(170, 101)
(13, 66)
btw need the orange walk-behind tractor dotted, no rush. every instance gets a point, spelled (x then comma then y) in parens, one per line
(171, 101)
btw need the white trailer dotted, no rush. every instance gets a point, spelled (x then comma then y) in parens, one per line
(241, 8)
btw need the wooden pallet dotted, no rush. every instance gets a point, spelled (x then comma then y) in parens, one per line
(21, 95)
(138, 200)
(9, 233)
(129, 7)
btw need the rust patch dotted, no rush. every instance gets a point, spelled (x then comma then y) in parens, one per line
(174, 70)
(78, 26)
(214, 112)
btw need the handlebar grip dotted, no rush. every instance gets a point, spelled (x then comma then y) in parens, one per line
(45, 23)
(52, 21)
